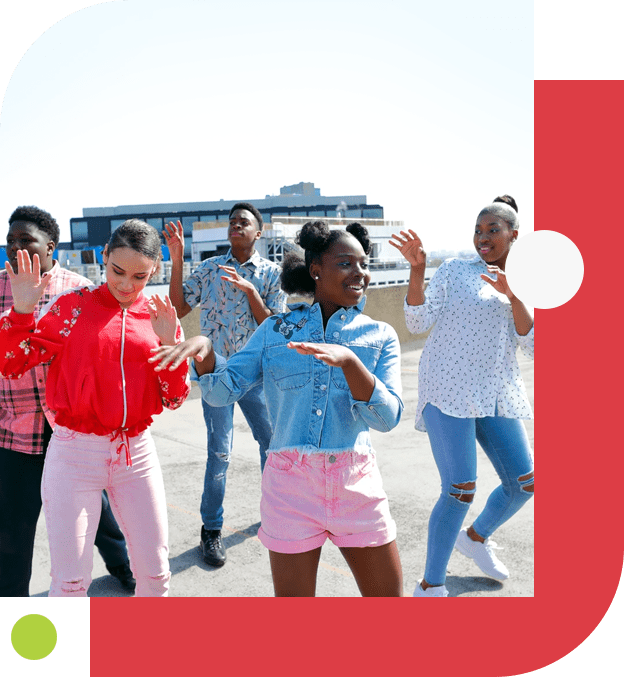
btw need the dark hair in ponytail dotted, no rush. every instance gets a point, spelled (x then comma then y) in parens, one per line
(315, 238)
(138, 236)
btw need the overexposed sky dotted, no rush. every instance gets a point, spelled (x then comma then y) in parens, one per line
(425, 108)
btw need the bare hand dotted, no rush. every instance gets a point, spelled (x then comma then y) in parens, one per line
(27, 285)
(410, 245)
(174, 238)
(163, 316)
(330, 353)
(500, 283)
(238, 281)
(198, 347)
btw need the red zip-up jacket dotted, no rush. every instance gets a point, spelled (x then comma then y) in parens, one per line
(99, 379)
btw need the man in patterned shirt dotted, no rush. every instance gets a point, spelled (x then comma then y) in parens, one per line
(236, 292)
(26, 426)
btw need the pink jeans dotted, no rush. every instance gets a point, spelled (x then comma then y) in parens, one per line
(77, 467)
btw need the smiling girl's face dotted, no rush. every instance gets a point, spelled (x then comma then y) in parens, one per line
(343, 275)
(493, 238)
(127, 273)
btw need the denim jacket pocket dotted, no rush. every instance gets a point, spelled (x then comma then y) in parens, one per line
(288, 369)
(369, 356)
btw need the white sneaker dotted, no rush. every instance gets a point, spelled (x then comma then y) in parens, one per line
(483, 555)
(435, 591)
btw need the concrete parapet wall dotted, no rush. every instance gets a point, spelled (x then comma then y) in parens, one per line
(384, 304)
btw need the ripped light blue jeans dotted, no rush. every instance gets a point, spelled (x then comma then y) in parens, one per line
(453, 442)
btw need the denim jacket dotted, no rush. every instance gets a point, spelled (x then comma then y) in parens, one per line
(310, 405)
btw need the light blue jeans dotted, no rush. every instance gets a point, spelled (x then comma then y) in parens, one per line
(220, 427)
(453, 442)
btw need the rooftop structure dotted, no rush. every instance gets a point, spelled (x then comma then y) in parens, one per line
(96, 224)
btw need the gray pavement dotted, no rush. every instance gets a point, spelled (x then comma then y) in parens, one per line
(410, 478)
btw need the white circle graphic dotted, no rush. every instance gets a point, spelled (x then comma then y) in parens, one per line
(544, 269)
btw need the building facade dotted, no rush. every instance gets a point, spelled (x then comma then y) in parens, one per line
(301, 200)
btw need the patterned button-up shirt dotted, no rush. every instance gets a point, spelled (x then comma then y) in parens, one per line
(23, 407)
(226, 317)
(468, 366)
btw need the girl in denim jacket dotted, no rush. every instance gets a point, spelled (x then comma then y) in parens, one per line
(330, 374)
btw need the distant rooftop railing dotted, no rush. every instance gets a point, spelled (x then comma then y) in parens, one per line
(333, 221)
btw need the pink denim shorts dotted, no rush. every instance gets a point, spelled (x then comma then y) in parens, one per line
(307, 498)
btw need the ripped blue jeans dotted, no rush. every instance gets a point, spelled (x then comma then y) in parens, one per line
(453, 442)
(220, 436)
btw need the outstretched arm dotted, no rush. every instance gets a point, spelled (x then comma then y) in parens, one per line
(197, 347)
(360, 381)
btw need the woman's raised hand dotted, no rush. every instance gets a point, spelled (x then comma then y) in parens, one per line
(410, 245)
(164, 319)
(500, 283)
(27, 285)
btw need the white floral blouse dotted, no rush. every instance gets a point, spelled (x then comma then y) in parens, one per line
(468, 366)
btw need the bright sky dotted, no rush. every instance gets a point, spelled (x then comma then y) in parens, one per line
(426, 108)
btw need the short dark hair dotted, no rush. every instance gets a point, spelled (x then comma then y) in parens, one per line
(44, 221)
(250, 208)
(315, 238)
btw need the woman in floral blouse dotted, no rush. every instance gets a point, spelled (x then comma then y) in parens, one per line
(104, 394)
(470, 389)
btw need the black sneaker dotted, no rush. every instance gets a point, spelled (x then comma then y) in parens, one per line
(123, 574)
(212, 547)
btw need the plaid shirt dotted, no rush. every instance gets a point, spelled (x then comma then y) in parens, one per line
(23, 407)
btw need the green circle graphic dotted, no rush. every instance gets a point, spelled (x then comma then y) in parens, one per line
(33, 637)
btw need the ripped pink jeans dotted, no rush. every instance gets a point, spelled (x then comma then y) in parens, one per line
(77, 467)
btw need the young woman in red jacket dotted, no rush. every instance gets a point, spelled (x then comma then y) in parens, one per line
(104, 393)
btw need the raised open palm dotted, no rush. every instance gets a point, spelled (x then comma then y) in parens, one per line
(27, 285)
(410, 245)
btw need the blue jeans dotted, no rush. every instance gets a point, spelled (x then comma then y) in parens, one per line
(220, 426)
(453, 442)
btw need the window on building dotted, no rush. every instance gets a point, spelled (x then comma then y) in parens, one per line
(187, 223)
(115, 223)
(156, 223)
(80, 232)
